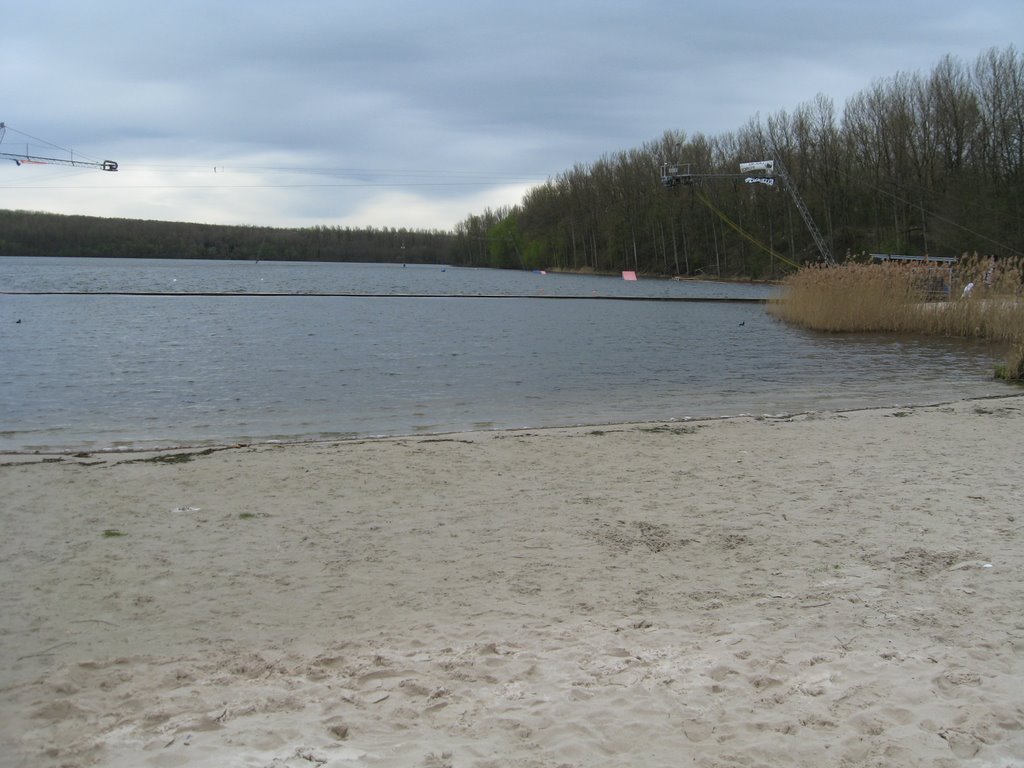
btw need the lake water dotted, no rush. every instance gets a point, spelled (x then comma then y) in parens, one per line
(412, 350)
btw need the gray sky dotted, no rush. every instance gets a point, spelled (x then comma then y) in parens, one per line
(416, 114)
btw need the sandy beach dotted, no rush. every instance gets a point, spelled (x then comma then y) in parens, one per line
(827, 589)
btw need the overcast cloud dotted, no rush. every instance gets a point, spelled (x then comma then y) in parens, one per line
(416, 114)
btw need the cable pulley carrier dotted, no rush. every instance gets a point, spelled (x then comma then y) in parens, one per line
(27, 159)
(759, 172)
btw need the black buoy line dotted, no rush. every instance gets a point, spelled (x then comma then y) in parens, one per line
(263, 294)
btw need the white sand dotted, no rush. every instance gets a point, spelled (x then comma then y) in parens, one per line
(826, 590)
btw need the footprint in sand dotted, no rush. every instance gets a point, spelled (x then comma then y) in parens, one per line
(697, 730)
(963, 745)
(444, 760)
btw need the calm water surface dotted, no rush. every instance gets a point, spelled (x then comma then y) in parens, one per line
(113, 371)
(190, 276)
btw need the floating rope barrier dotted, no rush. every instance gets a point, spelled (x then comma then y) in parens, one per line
(232, 294)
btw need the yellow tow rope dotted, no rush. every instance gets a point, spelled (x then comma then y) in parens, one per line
(743, 234)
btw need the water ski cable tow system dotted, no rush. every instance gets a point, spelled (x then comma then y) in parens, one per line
(758, 172)
(28, 159)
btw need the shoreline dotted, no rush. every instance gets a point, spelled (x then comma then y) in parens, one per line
(217, 445)
(822, 588)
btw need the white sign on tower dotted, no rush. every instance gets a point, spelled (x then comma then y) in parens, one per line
(768, 166)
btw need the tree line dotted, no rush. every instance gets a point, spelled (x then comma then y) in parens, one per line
(26, 233)
(920, 164)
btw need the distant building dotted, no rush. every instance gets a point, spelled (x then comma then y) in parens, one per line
(937, 271)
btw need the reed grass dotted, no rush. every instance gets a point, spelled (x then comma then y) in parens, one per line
(895, 297)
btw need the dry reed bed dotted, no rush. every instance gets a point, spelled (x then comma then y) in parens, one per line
(892, 297)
